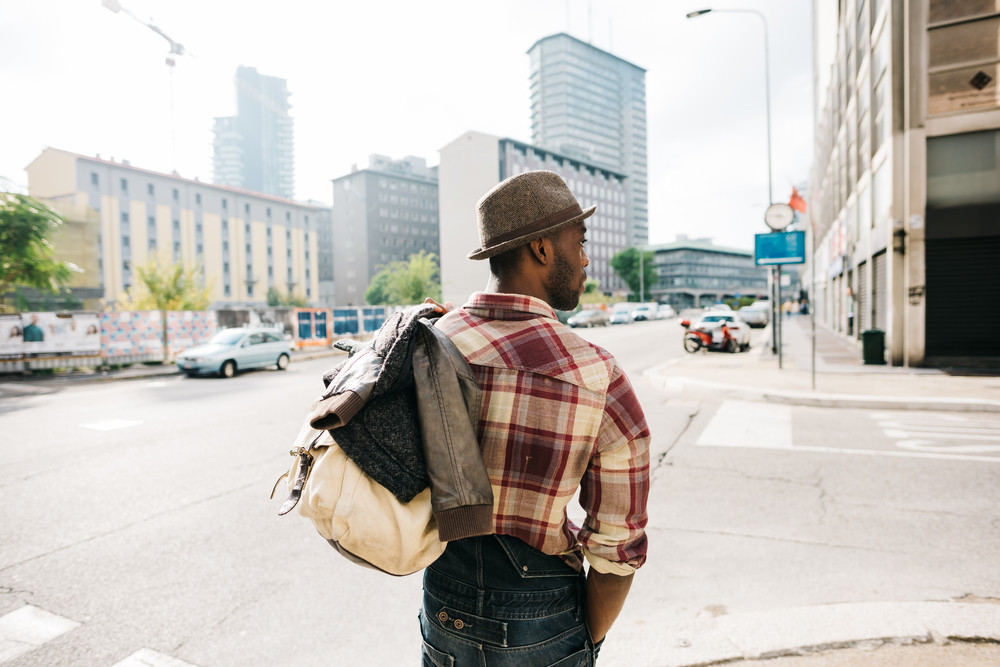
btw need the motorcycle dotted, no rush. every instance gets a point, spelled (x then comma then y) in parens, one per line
(719, 338)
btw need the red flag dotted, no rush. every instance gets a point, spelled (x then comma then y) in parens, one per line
(797, 202)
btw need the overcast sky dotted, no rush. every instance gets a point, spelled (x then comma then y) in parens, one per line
(400, 77)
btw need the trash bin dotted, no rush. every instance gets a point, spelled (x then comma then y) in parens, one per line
(873, 346)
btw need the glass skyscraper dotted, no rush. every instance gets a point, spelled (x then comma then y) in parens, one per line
(589, 104)
(254, 148)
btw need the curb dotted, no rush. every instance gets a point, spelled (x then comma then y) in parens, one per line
(709, 640)
(678, 383)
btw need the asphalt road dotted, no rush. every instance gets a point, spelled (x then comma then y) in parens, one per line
(136, 521)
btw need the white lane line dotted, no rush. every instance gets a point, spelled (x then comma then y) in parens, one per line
(27, 628)
(111, 424)
(746, 424)
(149, 658)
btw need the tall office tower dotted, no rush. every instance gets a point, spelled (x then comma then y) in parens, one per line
(591, 105)
(253, 150)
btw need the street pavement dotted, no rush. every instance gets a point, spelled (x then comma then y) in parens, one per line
(865, 633)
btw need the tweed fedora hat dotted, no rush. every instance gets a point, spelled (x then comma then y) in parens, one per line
(525, 207)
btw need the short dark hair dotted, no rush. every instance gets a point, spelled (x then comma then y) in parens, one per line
(506, 263)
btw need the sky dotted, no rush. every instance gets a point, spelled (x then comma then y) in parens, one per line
(398, 78)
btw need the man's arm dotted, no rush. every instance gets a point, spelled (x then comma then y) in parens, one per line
(605, 597)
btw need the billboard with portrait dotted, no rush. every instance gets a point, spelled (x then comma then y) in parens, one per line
(57, 334)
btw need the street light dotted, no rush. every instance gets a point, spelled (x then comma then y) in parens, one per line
(776, 310)
(767, 81)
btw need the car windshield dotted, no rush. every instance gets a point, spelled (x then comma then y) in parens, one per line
(717, 318)
(230, 337)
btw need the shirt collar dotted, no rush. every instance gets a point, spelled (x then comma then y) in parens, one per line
(501, 306)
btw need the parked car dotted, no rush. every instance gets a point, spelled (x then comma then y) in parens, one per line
(646, 311)
(233, 350)
(620, 316)
(757, 314)
(738, 328)
(588, 318)
(665, 311)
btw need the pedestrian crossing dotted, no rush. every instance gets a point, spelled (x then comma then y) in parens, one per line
(29, 627)
(910, 434)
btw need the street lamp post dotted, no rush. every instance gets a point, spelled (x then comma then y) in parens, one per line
(776, 272)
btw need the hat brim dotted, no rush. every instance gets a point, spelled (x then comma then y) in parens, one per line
(486, 253)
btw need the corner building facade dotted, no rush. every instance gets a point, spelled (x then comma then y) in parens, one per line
(905, 186)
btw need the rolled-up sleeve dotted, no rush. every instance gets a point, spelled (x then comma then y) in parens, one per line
(615, 489)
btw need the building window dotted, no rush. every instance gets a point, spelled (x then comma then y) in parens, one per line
(177, 195)
(124, 187)
(94, 179)
(197, 198)
(225, 205)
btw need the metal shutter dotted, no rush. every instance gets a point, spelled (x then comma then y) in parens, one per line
(862, 312)
(879, 288)
(961, 293)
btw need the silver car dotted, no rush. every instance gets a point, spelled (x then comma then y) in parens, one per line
(233, 350)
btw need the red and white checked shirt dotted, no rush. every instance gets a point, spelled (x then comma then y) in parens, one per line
(558, 414)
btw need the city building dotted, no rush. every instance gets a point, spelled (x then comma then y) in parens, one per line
(590, 105)
(254, 150)
(381, 214)
(475, 162)
(905, 201)
(245, 243)
(695, 273)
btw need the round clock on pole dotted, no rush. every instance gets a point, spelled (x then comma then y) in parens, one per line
(778, 216)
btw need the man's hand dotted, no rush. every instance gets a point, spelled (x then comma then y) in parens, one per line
(447, 307)
(605, 596)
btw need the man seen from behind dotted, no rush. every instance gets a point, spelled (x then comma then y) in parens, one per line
(558, 415)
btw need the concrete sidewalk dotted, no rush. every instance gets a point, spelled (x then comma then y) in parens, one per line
(840, 378)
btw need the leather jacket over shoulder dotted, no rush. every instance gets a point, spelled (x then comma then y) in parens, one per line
(447, 407)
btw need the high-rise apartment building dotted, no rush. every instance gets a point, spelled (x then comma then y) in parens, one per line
(381, 214)
(119, 215)
(590, 105)
(253, 150)
(475, 162)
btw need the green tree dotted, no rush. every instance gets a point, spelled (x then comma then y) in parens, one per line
(167, 286)
(27, 256)
(406, 282)
(626, 265)
(276, 298)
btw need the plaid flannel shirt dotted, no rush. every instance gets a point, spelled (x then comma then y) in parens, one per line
(558, 414)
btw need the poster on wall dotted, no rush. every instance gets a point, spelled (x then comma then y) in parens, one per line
(11, 337)
(131, 333)
(189, 328)
(59, 334)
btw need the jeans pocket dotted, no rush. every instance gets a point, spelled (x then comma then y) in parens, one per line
(431, 657)
(529, 562)
(581, 658)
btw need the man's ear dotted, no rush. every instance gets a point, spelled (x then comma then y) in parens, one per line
(541, 250)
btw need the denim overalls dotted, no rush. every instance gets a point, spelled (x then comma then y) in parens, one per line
(494, 600)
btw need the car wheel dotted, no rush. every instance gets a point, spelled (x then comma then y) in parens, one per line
(190, 374)
(746, 347)
(733, 346)
(282, 362)
(691, 344)
(228, 369)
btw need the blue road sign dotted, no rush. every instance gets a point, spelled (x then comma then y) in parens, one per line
(779, 248)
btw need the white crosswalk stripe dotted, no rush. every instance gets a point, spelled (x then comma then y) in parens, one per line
(150, 658)
(25, 629)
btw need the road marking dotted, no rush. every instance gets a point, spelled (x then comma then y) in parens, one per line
(768, 426)
(27, 628)
(746, 424)
(149, 658)
(111, 424)
(941, 433)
